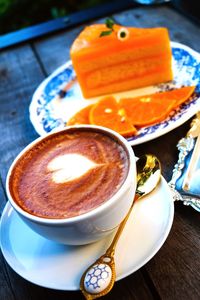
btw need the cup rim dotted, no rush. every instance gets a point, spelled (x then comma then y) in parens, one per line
(130, 179)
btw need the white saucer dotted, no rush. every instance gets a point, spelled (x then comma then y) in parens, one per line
(60, 267)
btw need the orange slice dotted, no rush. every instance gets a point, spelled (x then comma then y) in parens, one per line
(81, 117)
(182, 94)
(143, 111)
(149, 109)
(108, 113)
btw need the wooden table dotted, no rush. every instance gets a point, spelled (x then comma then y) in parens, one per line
(174, 272)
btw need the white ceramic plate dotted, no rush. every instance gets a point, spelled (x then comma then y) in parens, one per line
(51, 108)
(60, 267)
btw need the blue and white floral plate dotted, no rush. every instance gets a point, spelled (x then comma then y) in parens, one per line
(59, 97)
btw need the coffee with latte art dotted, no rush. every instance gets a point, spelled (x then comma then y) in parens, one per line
(69, 173)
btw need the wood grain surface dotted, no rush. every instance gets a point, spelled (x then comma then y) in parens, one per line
(174, 272)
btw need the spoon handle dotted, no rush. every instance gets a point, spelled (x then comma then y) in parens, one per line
(108, 258)
(148, 177)
(111, 249)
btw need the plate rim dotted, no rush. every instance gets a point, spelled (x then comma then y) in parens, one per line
(158, 244)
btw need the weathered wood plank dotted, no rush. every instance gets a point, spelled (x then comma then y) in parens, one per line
(54, 51)
(5, 288)
(19, 76)
(175, 269)
(180, 29)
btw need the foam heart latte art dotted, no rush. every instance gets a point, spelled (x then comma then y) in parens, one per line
(69, 167)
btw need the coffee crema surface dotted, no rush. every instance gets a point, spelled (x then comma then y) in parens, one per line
(69, 173)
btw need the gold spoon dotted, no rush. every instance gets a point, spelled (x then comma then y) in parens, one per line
(99, 278)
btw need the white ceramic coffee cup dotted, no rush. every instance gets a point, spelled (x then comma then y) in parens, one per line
(92, 225)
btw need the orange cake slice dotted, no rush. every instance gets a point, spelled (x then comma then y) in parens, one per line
(109, 64)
